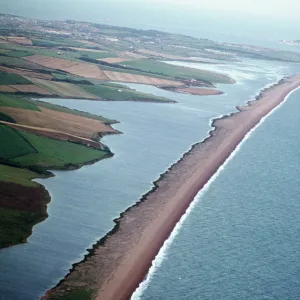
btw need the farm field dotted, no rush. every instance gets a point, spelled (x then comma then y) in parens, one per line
(93, 71)
(57, 154)
(8, 79)
(7, 89)
(73, 67)
(73, 112)
(19, 40)
(29, 149)
(17, 63)
(31, 89)
(13, 144)
(27, 73)
(58, 135)
(63, 89)
(17, 102)
(60, 121)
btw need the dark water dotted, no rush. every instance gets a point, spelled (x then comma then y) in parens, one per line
(85, 202)
(241, 241)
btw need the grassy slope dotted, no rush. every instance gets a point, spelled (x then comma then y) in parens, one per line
(113, 93)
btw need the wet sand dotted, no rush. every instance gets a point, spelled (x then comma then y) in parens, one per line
(119, 262)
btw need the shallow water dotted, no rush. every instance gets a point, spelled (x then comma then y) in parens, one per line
(85, 202)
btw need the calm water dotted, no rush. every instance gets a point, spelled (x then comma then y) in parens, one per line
(241, 241)
(85, 202)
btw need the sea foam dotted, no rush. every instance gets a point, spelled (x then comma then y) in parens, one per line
(162, 254)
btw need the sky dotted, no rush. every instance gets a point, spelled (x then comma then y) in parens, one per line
(270, 8)
(223, 20)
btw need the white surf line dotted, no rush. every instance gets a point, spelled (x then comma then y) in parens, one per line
(156, 263)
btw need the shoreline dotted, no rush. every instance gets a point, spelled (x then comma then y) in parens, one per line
(114, 275)
(32, 201)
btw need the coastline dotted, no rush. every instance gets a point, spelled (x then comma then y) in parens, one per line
(116, 275)
(23, 203)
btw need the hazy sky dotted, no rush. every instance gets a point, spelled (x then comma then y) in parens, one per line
(271, 8)
(234, 19)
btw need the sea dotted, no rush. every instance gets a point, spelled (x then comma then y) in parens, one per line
(238, 240)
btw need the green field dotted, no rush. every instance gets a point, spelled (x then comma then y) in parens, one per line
(177, 72)
(120, 93)
(13, 144)
(17, 102)
(32, 150)
(16, 226)
(57, 154)
(8, 79)
(18, 176)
